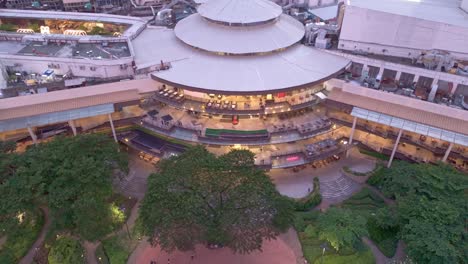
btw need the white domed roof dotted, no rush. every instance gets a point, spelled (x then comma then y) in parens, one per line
(205, 35)
(240, 12)
(298, 66)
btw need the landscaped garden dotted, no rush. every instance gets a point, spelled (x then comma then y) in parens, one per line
(430, 211)
(367, 203)
(19, 233)
(72, 177)
(315, 245)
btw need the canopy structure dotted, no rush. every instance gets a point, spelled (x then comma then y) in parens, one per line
(411, 126)
(240, 12)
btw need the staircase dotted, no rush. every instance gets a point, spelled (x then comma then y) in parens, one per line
(337, 188)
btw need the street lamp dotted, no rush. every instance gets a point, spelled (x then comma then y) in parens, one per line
(323, 246)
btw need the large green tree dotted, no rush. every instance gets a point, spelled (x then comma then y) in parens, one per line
(7, 160)
(200, 198)
(341, 227)
(71, 176)
(431, 210)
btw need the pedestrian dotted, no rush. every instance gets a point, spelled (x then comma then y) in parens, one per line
(308, 190)
(192, 257)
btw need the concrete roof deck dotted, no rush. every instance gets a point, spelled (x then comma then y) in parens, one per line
(135, 23)
(65, 50)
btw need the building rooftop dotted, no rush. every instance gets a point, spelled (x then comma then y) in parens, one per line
(203, 34)
(136, 24)
(31, 105)
(113, 50)
(295, 67)
(442, 11)
(240, 11)
(440, 116)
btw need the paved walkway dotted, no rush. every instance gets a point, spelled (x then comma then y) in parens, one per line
(29, 257)
(297, 184)
(380, 258)
(283, 250)
(134, 185)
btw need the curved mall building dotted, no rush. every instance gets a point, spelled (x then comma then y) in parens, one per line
(236, 74)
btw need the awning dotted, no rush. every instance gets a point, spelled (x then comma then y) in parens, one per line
(321, 95)
(411, 126)
(167, 118)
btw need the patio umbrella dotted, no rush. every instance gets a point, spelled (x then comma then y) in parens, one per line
(167, 118)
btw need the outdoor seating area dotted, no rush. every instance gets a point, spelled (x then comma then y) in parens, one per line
(171, 94)
(321, 147)
(219, 104)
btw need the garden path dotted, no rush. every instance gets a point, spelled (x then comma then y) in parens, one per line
(29, 257)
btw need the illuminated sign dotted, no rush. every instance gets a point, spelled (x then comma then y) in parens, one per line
(45, 30)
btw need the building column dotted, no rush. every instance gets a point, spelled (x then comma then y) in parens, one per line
(353, 128)
(33, 136)
(454, 88)
(112, 127)
(434, 89)
(447, 153)
(364, 72)
(395, 148)
(71, 123)
(398, 76)
(380, 74)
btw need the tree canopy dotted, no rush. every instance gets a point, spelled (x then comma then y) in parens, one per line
(431, 210)
(71, 176)
(200, 198)
(341, 227)
(66, 250)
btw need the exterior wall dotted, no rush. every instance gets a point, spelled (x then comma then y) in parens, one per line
(78, 67)
(464, 5)
(390, 34)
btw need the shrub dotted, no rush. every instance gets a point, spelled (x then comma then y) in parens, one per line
(115, 250)
(66, 250)
(311, 200)
(385, 238)
(374, 154)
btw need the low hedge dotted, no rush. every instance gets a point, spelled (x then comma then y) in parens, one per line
(374, 154)
(217, 132)
(379, 166)
(310, 201)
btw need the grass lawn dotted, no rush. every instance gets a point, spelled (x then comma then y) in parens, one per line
(20, 237)
(312, 246)
(367, 203)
